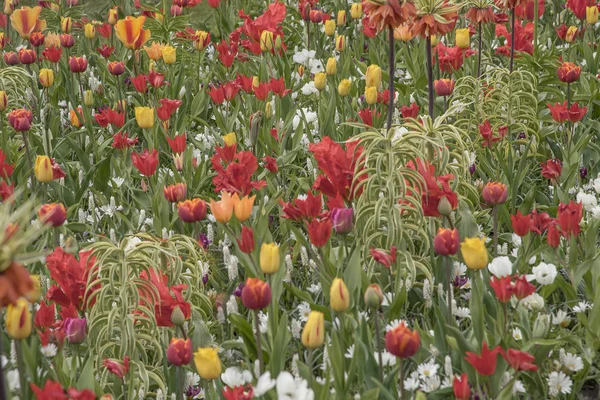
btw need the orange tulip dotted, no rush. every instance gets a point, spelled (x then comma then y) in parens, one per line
(75, 117)
(130, 32)
(223, 209)
(24, 20)
(242, 207)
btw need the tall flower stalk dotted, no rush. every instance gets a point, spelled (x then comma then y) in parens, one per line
(392, 67)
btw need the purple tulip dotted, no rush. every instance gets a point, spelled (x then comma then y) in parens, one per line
(342, 220)
(472, 169)
(75, 329)
(583, 172)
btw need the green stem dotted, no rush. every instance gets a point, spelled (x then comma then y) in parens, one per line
(449, 274)
(261, 363)
(379, 352)
(429, 76)
(21, 368)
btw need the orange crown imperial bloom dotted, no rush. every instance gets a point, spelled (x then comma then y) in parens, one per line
(388, 13)
(434, 17)
(402, 342)
(131, 33)
(25, 20)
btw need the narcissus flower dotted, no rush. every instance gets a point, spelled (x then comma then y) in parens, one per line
(145, 162)
(474, 253)
(484, 363)
(313, 334)
(446, 242)
(207, 362)
(17, 320)
(180, 351)
(269, 258)
(494, 193)
(131, 33)
(339, 297)
(256, 294)
(402, 342)
(53, 214)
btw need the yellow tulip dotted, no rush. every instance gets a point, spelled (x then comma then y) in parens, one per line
(201, 40)
(463, 40)
(144, 117)
(89, 31)
(46, 77)
(207, 362)
(340, 43)
(3, 100)
(591, 15)
(131, 33)
(222, 210)
(18, 320)
(344, 87)
(43, 169)
(169, 54)
(242, 208)
(266, 40)
(269, 258)
(403, 33)
(571, 34)
(434, 40)
(341, 17)
(66, 24)
(113, 15)
(320, 80)
(88, 98)
(371, 95)
(474, 253)
(373, 76)
(25, 19)
(230, 139)
(356, 10)
(313, 334)
(331, 67)
(339, 297)
(268, 110)
(329, 27)
(35, 294)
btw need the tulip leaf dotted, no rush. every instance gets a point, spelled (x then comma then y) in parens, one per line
(87, 380)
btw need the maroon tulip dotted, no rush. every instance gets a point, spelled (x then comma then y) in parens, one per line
(256, 294)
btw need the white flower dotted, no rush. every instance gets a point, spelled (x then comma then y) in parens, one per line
(304, 311)
(517, 334)
(12, 378)
(349, 351)
(459, 269)
(131, 243)
(430, 384)
(588, 201)
(461, 312)
(571, 361)
(560, 317)
(192, 379)
(412, 382)
(597, 184)
(516, 240)
(558, 383)
(309, 89)
(544, 273)
(428, 369)
(264, 384)
(387, 358)
(581, 307)
(500, 267)
(394, 323)
(289, 388)
(49, 350)
(235, 376)
(534, 301)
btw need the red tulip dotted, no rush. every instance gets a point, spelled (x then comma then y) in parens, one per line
(262, 90)
(27, 56)
(521, 223)
(278, 87)
(443, 87)
(66, 40)
(540, 221)
(382, 257)
(256, 294)
(177, 144)
(484, 364)
(569, 72)
(502, 288)
(175, 193)
(156, 79)
(105, 51)
(36, 39)
(520, 360)
(11, 58)
(122, 141)
(78, 64)
(559, 111)
(411, 111)
(494, 193)
(167, 108)
(551, 169)
(52, 54)
(569, 217)
(53, 214)
(145, 162)
(522, 288)
(120, 369)
(461, 388)
(140, 83)
(246, 243)
(6, 190)
(575, 113)
(217, 95)
(20, 119)
(402, 342)
(553, 236)
(319, 231)
(116, 68)
(191, 210)
(180, 351)
(270, 164)
(446, 242)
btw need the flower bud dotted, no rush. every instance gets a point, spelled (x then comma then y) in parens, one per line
(371, 95)
(180, 351)
(341, 18)
(340, 43)
(313, 334)
(494, 193)
(207, 363)
(256, 294)
(88, 98)
(356, 10)
(342, 220)
(344, 87)
(434, 40)
(66, 23)
(373, 76)
(3, 100)
(169, 54)
(43, 169)
(571, 34)
(402, 342)
(320, 81)
(446, 242)
(177, 316)
(339, 297)
(444, 207)
(373, 296)
(331, 67)
(266, 40)
(474, 253)
(75, 330)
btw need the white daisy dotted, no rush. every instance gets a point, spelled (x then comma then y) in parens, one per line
(571, 361)
(428, 369)
(558, 383)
